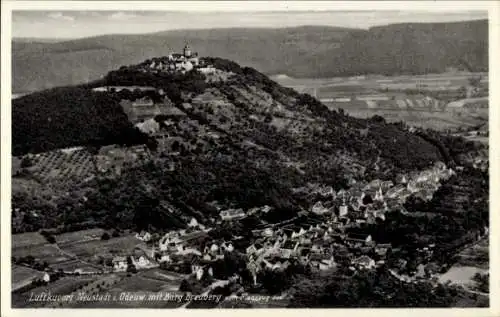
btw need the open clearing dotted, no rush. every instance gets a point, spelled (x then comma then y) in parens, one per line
(43, 253)
(27, 239)
(79, 236)
(92, 249)
(472, 260)
(461, 275)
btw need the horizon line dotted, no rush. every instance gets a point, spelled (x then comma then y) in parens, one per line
(232, 28)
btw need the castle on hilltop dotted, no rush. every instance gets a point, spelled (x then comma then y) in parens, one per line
(182, 62)
(187, 56)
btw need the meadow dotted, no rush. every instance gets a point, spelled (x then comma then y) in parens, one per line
(79, 236)
(91, 250)
(470, 261)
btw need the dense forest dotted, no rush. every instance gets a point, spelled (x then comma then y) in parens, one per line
(69, 116)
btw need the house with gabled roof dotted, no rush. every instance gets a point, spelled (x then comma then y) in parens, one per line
(319, 209)
(364, 262)
(119, 264)
(143, 235)
(232, 214)
(359, 239)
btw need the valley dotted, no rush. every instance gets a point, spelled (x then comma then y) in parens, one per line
(445, 102)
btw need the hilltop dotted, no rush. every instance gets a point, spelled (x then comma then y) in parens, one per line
(236, 138)
(310, 51)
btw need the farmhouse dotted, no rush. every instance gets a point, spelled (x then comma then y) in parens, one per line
(231, 214)
(119, 264)
(143, 235)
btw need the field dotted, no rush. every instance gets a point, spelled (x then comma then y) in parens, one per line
(436, 120)
(63, 286)
(27, 239)
(373, 82)
(45, 252)
(145, 282)
(366, 96)
(139, 283)
(92, 249)
(75, 250)
(79, 236)
(76, 265)
(471, 260)
(171, 280)
(22, 276)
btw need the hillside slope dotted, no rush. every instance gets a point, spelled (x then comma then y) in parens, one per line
(309, 51)
(242, 141)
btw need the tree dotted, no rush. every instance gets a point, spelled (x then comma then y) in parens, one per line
(367, 200)
(48, 236)
(268, 118)
(26, 162)
(175, 146)
(131, 268)
(109, 262)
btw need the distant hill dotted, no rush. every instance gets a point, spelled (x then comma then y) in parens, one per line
(36, 40)
(308, 51)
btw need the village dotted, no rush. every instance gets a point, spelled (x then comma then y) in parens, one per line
(328, 235)
(321, 245)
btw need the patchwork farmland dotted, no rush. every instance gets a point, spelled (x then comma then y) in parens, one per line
(436, 101)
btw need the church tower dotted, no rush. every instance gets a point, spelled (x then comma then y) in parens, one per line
(187, 51)
(343, 210)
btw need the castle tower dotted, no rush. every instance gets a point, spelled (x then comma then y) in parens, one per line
(187, 51)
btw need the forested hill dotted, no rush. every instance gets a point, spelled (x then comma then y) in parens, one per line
(308, 51)
(254, 107)
(242, 140)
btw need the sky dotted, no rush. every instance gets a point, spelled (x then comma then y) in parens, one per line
(60, 24)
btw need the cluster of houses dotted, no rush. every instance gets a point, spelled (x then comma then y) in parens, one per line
(123, 263)
(319, 247)
(368, 202)
(321, 244)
